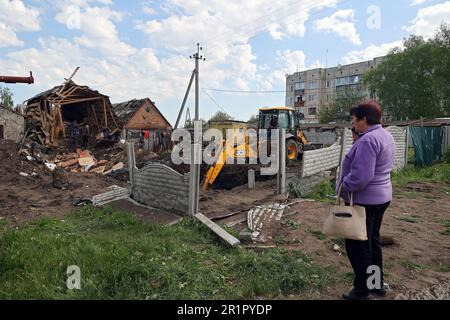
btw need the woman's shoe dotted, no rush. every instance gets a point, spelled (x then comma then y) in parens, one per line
(380, 292)
(353, 296)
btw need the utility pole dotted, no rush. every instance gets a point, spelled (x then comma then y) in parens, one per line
(194, 177)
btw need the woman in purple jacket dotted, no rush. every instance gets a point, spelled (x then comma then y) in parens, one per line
(366, 171)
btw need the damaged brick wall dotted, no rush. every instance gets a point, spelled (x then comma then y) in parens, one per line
(161, 187)
(13, 125)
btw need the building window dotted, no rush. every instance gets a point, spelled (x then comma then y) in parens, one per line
(312, 85)
(312, 111)
(342, 81)
(311, 97)
(328, 83)
(300, 85)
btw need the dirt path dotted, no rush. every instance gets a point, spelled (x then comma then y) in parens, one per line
(417, 264)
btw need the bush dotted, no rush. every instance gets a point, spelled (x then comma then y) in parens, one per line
(447, 156)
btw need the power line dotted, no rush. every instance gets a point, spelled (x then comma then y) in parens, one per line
(245, 91)
(214, 101)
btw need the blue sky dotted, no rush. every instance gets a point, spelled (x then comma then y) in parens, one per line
(135, 49)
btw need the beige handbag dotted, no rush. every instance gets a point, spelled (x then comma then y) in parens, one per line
(348, 222)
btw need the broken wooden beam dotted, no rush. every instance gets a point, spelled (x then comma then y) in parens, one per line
(217, 230)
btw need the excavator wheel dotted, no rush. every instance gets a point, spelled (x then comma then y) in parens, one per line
(292, 151)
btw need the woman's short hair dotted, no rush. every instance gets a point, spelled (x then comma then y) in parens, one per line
(369, 109)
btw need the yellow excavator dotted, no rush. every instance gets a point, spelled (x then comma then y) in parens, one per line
(269, 118)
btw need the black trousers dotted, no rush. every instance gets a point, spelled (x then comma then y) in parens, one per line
(363, 254)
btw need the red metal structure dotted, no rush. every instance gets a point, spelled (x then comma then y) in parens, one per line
(8, 79)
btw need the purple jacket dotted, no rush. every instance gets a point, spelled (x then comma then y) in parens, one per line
(366, 168)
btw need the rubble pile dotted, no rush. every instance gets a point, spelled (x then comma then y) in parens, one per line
(85, 161)
(42, 127)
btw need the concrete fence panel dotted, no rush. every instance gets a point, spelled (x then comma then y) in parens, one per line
(161, 187)
(401, 144)
(316, 161)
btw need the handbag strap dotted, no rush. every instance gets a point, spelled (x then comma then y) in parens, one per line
(338, 197)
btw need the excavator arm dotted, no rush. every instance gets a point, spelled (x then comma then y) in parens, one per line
(228, 152)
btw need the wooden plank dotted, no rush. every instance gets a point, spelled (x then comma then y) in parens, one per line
(68, 163)
(95, 117)
(217, 230)
(112, 116)
(87, 161)
(106, 117)
(232, 224)
(63, 128)
(73, 101)
(99, 170)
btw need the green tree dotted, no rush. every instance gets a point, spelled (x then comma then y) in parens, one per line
(221, 116)
(190, 124)
(6, 97)
(338, 108)
(414, 82)
(253, 119)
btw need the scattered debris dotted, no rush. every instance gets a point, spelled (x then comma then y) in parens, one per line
(259, 215)
(336, 247)
(82, 202)
(23, 174)
(115, 193)
(60, 179)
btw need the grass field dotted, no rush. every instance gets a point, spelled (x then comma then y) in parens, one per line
(121, 257)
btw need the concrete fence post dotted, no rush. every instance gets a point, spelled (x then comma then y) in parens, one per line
(341, 157)
(406, 145)
(131, 162)
(281, 175)
(251, 179)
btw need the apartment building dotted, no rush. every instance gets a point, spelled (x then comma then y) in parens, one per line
(308, 91)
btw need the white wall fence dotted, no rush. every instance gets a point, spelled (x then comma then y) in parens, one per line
(316, 161)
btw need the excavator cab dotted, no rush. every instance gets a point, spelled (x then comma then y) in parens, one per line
(288, 119)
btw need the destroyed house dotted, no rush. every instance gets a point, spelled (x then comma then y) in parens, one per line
(49, 114)
(11, 124)
(139, 116)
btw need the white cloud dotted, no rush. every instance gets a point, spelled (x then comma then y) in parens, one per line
(98, 30)
(147, 8)
(8, 37)
(418, 2)
(274, 31)
(428, 20)
(342, 23)
(371, 52)
(15, 17)
(292, 61)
